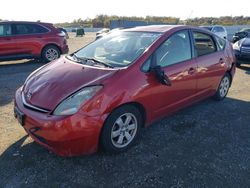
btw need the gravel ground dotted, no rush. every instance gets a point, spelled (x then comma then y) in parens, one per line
(205, 145)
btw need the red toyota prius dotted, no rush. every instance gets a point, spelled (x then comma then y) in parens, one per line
(103, 94)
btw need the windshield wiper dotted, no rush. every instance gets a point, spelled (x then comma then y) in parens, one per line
(74, 57)
(97, 61)
(79, 59)
(87, 59)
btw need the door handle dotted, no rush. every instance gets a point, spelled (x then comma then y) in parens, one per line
(191, 70)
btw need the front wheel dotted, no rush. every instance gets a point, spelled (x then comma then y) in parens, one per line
(223, 88)
(121, 129)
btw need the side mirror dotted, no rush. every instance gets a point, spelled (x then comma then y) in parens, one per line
(160, 75)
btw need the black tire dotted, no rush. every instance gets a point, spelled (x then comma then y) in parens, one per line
(110, 144)
(222, 93)
(238, 64)
(50, 53)
(38, 60)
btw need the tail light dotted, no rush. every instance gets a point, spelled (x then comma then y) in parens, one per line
(61, 34)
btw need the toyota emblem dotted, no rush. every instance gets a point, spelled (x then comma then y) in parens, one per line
(29, 94)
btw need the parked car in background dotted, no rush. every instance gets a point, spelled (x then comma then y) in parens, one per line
(103, 94)
(106, 33)
(80, 32)
(101, 33)
(242, 51)
(241, 34)
(218, 30)
(25, 40)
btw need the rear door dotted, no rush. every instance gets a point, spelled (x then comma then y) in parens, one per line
(211, 59)
(175, 57)
(7, 45)
(28, 38)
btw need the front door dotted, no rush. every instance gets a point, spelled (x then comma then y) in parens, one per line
(175, 58)
(7, 45)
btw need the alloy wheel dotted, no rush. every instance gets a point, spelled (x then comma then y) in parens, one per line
(224, 86)
(51, 54)
(124, 130)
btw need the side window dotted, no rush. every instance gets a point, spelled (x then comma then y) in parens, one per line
(221, 43)
(21, 29)
(175, 49)
(34, 28)
(204, 44)
(5, 30)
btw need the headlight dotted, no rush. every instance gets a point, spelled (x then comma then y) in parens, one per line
(236, 46)
(71, 104)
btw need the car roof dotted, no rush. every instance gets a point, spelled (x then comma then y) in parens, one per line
(157, 28)
(28, 22)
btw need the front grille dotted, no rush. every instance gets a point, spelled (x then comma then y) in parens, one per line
(33, 131)
(245, 50)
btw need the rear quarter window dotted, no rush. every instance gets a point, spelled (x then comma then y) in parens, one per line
(39, 29)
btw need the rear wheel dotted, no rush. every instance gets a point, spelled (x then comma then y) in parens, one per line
(50, 53)
(223, 88)
(121, 129)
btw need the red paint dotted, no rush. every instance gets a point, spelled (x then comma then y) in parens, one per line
(31, 45)
(77, 134)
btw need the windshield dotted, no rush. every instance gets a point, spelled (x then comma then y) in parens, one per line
(245, 29)
(118, 49)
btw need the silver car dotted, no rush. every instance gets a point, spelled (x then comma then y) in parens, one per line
(218, 30)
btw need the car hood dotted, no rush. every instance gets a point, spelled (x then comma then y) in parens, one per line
(47, 87)
(246, 42)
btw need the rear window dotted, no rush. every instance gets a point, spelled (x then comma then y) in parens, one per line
(219, 29)
(5, 30)
(204, 44)
(20, 29)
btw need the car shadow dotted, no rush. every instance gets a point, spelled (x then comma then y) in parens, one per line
(206, 144)
(11, 67)
(12, 76)
(245, 68)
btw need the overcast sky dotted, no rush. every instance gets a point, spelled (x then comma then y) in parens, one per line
(61, 11)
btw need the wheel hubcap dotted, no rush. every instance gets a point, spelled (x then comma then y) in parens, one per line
(124, 130)
(51, 54)
(224, 86)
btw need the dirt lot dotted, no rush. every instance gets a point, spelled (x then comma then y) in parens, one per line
(205, 145)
